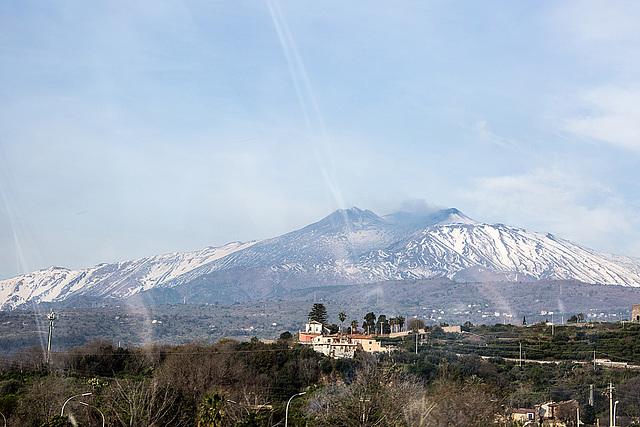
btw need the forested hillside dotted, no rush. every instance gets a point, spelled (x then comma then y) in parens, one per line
(232, 383)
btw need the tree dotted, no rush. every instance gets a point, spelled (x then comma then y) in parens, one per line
(57, 421)
(382, 325)
(588, 414)
(373, 397)
(333, 328)
(393, 323)
(212, 412)
(318, 313)
(143, 403)
(630, 389)
(415, 324)
(42, 399)
(285, 336)
(462, 404)
(342, 317)
(354, 326)
(369, 322)
(401, 321)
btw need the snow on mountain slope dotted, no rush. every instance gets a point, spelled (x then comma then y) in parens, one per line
(446, 250)
(115, 281)
(331, 247)
(348, 246)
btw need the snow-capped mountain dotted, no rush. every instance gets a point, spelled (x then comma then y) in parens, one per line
(347, 247)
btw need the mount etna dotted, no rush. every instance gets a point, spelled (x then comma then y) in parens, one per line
(350, 247)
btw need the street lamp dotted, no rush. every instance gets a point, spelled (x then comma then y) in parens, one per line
(614, 412)
(72, 397)
(86, 404)
(286, 412)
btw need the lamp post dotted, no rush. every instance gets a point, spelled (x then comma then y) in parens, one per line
(286, 412)
(86, 404)
(614, 412)
(72, 397)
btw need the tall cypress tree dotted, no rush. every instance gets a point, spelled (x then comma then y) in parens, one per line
(318, 313)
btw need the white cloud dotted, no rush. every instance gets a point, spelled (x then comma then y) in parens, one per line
(419, 206)
(566, 204)
(601, 40)
(616, 119)
(484, 132)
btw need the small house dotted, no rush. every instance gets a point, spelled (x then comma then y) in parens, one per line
(312, 329)
(523, 415)
(557, 413)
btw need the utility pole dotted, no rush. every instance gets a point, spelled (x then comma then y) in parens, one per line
(610, 393)
(521, 354)
(591, 395)
(52, 317)
(364, 401)
(417, 333)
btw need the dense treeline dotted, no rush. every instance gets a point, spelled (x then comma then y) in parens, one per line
(156, 385)
(233, 383)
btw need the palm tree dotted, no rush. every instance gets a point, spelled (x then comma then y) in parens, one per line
(369, 321)
(401, 320)
(354, 326)
(393, 322)
(342, 318)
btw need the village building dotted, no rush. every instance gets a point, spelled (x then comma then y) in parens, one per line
(635, 313)
(338, 346)
(523, 416)
(557, 414)
(453, 329)
(367, 343)
(312, 329)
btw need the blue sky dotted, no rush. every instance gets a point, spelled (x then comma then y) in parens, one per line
(135, 129)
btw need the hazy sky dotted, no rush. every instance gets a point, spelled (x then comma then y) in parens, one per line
(131, 129)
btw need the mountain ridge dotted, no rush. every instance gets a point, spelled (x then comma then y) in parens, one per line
(349, 246)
